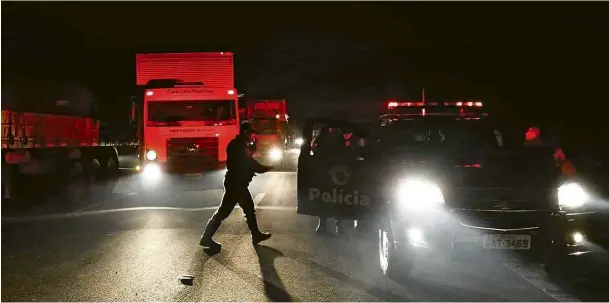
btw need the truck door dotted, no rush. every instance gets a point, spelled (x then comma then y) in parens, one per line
(333, 172)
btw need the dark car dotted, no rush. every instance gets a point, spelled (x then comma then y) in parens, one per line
(448, 184)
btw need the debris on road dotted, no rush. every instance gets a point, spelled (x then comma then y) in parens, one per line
(187, 280)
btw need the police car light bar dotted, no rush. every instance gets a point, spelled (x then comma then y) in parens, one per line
(465, 104)
(394, 104)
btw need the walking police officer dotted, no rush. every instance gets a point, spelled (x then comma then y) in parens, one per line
(241, 168)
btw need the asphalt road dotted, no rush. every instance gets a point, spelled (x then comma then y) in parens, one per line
(135, 244)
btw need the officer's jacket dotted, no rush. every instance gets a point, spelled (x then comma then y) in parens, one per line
(241, 167)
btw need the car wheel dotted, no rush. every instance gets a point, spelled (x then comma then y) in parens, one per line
(394, 263)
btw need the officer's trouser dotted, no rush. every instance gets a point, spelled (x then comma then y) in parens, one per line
(234, 195)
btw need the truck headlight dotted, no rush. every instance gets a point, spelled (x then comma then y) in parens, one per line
(572, 195)
(151, 173)
(416, 193)
(275, 154)
(299, 141)
(151, 155)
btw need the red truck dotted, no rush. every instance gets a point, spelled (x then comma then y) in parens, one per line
(190, 111)
(270, 118)
(58, 143)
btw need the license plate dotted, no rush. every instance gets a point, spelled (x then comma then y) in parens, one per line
(506, 242)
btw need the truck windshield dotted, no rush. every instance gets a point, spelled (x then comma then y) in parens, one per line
(265, 126)
(192, 110)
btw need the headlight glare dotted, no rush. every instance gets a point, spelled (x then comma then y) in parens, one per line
(275, 154)
(572, 195)
(414, 192)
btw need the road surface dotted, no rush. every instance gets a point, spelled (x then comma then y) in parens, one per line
(135, 245)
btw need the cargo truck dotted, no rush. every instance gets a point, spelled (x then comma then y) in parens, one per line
(190, 111)
(56, 142)
(270, 120)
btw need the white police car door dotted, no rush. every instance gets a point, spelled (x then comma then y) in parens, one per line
(332, 176)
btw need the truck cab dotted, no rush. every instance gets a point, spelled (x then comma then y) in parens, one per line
(189, 111)
(187, 127)
(269, 118)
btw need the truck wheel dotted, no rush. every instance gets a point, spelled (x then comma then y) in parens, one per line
(78, 180)
(95, 171)
(101, 188)
(394, 263)
(111, 168)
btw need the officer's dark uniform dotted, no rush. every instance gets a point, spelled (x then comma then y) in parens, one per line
(241, 168)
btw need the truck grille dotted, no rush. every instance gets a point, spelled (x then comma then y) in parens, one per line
(192, 154)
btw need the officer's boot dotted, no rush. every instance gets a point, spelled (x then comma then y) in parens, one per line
(206, 240)
(257, 235)
(322, 226)
(340, 227)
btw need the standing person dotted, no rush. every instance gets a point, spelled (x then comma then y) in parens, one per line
(330, 146)
(241, 168)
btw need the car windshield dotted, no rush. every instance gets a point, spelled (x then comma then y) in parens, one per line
(195, 110)
(456, 135)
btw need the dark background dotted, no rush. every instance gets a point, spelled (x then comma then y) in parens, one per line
(532, 62)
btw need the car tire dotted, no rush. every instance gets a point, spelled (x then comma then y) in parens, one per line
(394, 263)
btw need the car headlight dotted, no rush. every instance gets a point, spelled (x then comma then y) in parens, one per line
(275, 154)
(299, 141)
(572, 195)
(415, 193)
(151, 155)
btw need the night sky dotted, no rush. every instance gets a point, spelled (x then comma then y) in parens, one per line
(545, 61)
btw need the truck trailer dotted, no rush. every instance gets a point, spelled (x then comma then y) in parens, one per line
(56, 142)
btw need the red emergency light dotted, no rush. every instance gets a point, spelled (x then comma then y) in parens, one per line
(464, 104)
(394, 104)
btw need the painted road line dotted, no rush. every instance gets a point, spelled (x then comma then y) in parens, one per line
(258, 198)
(104, 202)
(9, 220)
(277, 207)
(538, 278)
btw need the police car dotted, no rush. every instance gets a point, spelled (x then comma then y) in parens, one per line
(443, 178)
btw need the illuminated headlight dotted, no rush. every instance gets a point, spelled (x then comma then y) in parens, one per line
(152, 172)
(151, 155)
(572, 195)
(299, 141)
(419, 194)
(578, 238)
(275, 154)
